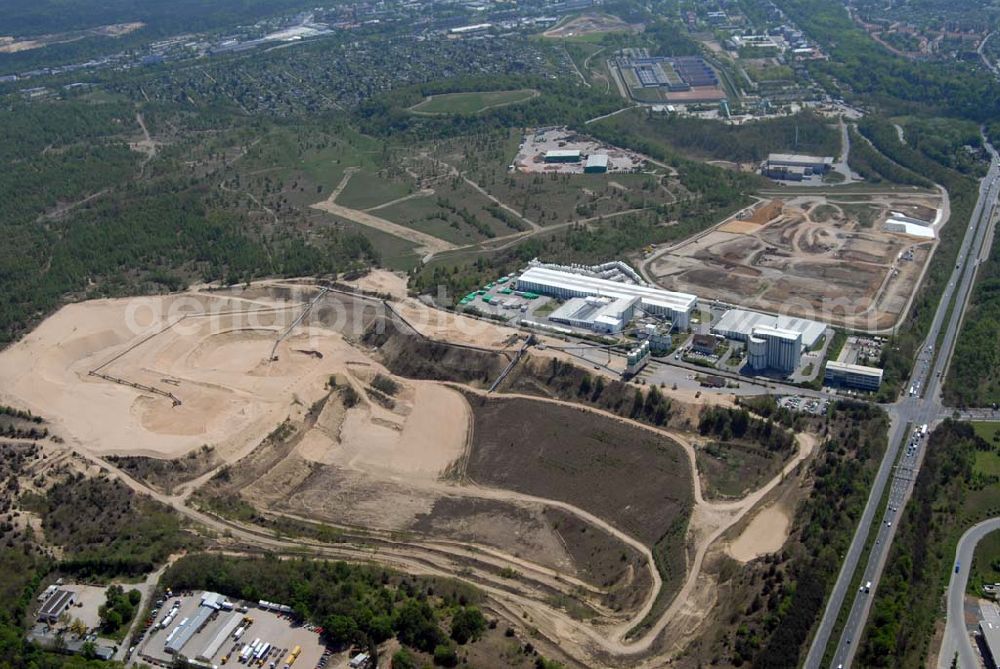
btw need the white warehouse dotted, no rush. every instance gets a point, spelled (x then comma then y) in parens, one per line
(739, 324)
(677, 307)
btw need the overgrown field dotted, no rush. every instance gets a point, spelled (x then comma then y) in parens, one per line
(638, 481)
(470, 103)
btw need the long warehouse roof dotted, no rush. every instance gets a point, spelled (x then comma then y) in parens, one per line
(595, 286)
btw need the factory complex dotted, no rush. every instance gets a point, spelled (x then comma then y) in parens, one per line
(739, 325)
(795, 167)
(623, 298)
(611, 300)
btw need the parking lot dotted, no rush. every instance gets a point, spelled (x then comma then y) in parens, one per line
(279, 630)
(810, 405)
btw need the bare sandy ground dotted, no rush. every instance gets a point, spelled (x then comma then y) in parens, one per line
(421, 444)
(231, 394)
(765, 534)
(382, 281)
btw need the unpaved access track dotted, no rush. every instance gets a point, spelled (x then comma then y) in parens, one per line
(236, 397)
(426, 244)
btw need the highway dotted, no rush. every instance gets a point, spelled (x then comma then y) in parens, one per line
(919, 407)
(956, 638)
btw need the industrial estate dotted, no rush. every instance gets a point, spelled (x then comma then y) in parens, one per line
(537, 335)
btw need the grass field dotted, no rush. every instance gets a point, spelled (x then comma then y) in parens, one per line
(367, 189)
(985, 566)
(732, 470)
(472, 102)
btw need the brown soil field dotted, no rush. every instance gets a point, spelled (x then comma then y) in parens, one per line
(739, 227)
(589, 24)
(836, 267)
(574, 456)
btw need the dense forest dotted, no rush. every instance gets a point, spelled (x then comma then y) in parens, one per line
(740, 425)
(874, 167)
(354, 604)
(805, 132)
(974, 374)
(779, 621)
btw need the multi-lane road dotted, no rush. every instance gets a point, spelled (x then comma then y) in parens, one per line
(919, 407)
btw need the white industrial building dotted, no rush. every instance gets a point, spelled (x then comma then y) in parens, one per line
(907, 225)
(637, 359)
(56, 604)
(814, 164)
(738, 324)
(211, 602)
(596, 163)
(853, 376)
(601, 314)
(774, 348)
(676, 307)
(563, 156)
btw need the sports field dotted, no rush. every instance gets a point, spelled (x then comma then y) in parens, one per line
(472, 102)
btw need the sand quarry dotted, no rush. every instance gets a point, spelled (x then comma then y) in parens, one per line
(193, 369)
(811, 255)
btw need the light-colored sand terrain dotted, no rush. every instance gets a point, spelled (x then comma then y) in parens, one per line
(766, 533)
(217, 365)
(422, 444)
(375, 463)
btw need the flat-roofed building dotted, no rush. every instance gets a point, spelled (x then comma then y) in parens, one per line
(738, 324)
(812, 164)
(991, 643)
(597, 163)
(562, 156)
(57, 604)
(853, 376)
(676, 307)
(601, 314)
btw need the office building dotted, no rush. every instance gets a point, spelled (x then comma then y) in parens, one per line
(853, 376)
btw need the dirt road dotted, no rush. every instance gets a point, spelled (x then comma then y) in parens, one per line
(426, 244)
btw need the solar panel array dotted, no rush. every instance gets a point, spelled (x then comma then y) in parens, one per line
(695, 71)
(675, 74)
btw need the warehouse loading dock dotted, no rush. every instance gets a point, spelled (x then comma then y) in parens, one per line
(209, 635)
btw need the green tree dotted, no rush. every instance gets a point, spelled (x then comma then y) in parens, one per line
(467, 624)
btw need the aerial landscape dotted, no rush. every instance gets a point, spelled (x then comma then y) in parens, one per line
(554, 334)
